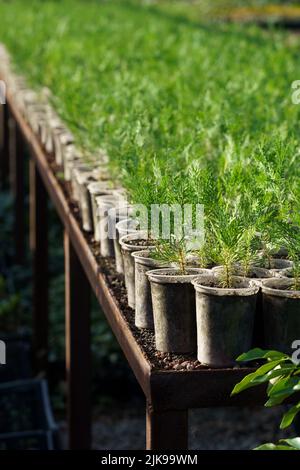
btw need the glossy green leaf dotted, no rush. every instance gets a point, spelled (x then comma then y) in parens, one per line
(293, 442)
(255, 378)
(258, 353)
(289, 416)
(271, 446)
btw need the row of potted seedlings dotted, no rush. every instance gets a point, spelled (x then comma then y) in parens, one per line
(191, 309)
(219, 312)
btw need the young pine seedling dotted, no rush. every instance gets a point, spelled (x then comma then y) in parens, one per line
(172, 251)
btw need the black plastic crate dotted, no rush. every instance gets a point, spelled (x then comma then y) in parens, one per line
(25, 406)
(28, 440)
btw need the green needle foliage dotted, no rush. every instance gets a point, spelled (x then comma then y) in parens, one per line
(172, 251)
(189, 112)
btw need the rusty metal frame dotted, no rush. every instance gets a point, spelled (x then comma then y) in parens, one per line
(169, 394)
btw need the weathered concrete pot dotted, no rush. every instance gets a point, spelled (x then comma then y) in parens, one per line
(104, 204)
(257, 274)
(287, 272)
(53, 125)
(26, 97)
(72, 157)
(174, 309)
(123, 227)
(33, 114)
(116, 215)
(281, 314)
(77, 168)
(225, 320)
(84, 178)
(95, 189)
(129, 244)
(278, 265)
(127, 226)
(61, 140)
(143, 300)
(102, 173)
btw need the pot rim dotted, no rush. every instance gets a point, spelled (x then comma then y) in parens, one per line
(96, 187)
(108, 200)
(142, 257)
(136, 235)
(290, 294)
(160, 276)
(247, 291)
(216, 269)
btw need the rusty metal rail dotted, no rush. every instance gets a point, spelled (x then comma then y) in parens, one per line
(169, 394)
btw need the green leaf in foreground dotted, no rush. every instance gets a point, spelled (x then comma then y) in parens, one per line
(293, 442)
(271, 446)
(282, 389)
(258, 353)
(289, 416)
(255, 378)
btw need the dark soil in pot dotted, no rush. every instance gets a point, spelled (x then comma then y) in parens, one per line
(130, 243)
(174, 309)
(281, 314)
(141, 243)
(225, 320)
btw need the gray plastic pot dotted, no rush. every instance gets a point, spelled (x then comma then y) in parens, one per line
(225, 320)
(72, 157)
(62, 138)
(278, 264)
(123, 227)
(129, 244)
(96, 189)
(116, 215)
(281, 314)
(143, 300)
(101, 173)
(287, 272)
(174, 309)
(104, 204)
(77, 168)
(84, 178)
(53, 124)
